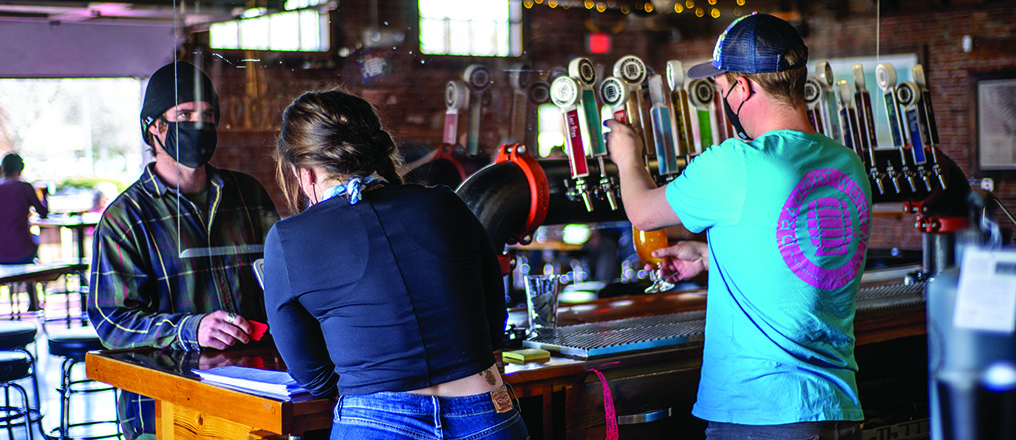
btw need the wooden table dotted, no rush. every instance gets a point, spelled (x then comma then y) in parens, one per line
(188, 408)
(11, 274)
(80, 223)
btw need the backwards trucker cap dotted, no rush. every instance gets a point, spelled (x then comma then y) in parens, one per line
(753, 43)
(173, 84)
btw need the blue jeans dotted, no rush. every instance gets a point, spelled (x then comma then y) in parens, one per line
(388, 415)
(831, 430)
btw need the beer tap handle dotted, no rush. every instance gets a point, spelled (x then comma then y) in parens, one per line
(909, 96)
(846, 122)
(812, 94)
(614, 95)
(928, 113)
(700, 93)
(885, 76)
(583, 71)
(520, 78)
(824, 74)
(565, 93)
(457, 100)
(663, 128)
(538, 94)
(679, 101)
(478, 78)
(632, 72)
(865, 116)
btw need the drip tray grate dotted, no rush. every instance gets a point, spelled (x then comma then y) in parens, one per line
(623, 335)
(632, 334)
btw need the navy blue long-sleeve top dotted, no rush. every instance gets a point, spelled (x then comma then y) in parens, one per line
(398, 292)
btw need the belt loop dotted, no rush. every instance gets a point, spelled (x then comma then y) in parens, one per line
(512, 392)
(337, 410)
(436, 403)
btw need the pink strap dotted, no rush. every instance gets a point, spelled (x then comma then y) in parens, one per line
(608, 407)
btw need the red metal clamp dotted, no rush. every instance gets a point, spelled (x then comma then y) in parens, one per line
(539, 189)
(447, 152)
(941, 225)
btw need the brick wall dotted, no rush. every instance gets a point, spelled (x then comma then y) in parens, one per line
(411, 97)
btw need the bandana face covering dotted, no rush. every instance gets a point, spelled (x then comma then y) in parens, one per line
(190, 145)
(354, 188)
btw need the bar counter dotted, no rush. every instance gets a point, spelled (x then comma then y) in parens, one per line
(559, 397)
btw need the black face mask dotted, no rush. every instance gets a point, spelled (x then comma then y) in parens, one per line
(195, 145)
(733, 117)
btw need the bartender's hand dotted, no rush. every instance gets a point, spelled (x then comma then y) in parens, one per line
(623, 143)
(221, 330)
(683, 260)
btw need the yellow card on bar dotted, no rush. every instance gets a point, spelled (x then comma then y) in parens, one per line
(525, 355)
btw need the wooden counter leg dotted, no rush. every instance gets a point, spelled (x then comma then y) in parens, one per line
(164, 421)
(548, 412)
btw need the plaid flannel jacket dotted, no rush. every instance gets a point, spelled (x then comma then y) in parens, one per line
(160, 264)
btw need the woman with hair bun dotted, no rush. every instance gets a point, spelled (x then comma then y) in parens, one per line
(385, 294)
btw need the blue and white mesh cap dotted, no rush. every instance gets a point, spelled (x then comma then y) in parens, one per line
(753, 43)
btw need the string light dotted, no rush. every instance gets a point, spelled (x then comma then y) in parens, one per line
(714, 10)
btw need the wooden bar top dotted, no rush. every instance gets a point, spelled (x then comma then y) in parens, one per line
(168, 376)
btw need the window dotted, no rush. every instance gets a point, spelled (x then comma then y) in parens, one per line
(73, 133)
(471, 27)
(303, 27)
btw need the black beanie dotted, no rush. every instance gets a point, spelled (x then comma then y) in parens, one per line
(187, 80)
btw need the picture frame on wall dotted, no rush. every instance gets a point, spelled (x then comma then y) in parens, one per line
(993, 123)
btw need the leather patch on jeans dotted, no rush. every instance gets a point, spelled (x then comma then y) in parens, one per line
(502, 400)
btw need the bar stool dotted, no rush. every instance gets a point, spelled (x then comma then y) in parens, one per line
(81, 291)
(16, 337)
(72, 345)
(15, 366)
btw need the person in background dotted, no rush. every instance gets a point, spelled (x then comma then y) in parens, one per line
(787, 217)
(387, 295)
(104, 192)
(16, 199)
(144, 292)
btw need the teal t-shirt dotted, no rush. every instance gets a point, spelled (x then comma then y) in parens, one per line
(787, 218)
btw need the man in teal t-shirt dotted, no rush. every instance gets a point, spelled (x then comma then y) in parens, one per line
(787, 216)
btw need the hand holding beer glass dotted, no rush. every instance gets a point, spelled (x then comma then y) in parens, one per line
(645, 243)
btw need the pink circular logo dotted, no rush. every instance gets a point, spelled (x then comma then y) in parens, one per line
(829, 225)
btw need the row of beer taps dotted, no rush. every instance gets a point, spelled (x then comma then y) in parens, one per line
(665, 123)
(910, 115)
(683, 118)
